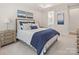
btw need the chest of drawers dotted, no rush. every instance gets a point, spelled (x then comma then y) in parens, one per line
(78, 40)
(7, 37)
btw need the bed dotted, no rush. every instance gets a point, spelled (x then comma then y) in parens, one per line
(40, 39)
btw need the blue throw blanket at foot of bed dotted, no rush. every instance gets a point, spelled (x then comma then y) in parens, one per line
(40, 38)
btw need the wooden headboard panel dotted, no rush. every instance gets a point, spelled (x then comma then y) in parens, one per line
(23, 17)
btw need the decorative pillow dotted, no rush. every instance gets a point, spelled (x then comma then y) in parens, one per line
(34, 27)
(26, 26)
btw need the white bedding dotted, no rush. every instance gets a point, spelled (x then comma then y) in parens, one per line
(26, 36)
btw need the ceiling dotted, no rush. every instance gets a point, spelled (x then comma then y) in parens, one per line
(43, 6)
(39, 6)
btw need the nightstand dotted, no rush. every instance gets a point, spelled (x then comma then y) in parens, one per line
(7, 36)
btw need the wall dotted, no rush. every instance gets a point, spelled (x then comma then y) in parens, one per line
(74, 20)
(8, 11)
(63, 29)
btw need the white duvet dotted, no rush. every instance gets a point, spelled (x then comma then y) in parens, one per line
(26, 36)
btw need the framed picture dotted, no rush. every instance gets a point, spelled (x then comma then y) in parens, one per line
(60, 18)
(24, 14)
(21, 14)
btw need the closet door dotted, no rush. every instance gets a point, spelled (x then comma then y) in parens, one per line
(74, 20)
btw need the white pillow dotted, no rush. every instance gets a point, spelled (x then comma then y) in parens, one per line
(26, 26)
(35, 25)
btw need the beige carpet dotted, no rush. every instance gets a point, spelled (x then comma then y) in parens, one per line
(66, 45)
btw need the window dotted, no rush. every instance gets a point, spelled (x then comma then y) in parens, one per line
(50, 17)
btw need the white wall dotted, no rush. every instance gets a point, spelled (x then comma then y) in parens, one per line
(8, 11)
(63, 29)
(74, 20)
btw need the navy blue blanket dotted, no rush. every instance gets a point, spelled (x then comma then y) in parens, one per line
(40, 38)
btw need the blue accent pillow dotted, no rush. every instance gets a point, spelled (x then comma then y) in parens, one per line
(34, 27)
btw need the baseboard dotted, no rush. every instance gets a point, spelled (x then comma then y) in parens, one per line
(72, 33)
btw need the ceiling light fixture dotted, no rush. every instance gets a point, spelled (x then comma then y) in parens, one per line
(45, 5)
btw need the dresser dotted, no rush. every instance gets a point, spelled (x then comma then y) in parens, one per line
(78, 40)
(7, 36)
